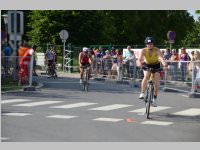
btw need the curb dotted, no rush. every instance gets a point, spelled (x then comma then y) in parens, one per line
(25, 89)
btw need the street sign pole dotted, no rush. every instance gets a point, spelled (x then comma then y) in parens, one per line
(15, 47)
(63, 60)
(64, 36)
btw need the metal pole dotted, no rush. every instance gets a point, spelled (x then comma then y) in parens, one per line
(170, 47)
(15, 46)
(31, 71)
(192, 76)
(63, 55)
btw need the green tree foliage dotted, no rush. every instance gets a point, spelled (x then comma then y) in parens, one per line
(109, 26)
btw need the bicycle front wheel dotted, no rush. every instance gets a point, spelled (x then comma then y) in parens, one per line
(149, 100)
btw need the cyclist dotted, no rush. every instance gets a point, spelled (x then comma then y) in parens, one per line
(85, 59)
(51, 58)
(152, 59)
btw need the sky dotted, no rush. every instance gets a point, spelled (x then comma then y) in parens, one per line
(195, 16)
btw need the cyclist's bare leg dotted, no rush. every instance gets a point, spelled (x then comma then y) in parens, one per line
(144, 81)
(81, 73)
(89, 72)
(156, 80)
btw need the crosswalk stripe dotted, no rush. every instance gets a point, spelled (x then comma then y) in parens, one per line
(14, 101)
(161, 123)
(152, 109)
(16, 114)
(110, 107)
(38, 103)
(62, 116)
(108, 119)
(189, 112)
(74, 105)
(4, 138)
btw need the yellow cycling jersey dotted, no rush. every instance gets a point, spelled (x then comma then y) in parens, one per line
(153, 59)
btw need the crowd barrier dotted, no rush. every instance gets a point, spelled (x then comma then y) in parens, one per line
(183, 76)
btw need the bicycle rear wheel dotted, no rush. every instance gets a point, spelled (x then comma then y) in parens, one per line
(149, 100)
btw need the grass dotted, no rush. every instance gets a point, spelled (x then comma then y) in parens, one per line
(8, 84)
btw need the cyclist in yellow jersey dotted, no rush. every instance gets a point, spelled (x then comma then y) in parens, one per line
(152, 59)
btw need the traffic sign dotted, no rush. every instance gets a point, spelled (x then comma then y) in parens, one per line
(64, 34)
(171, 35)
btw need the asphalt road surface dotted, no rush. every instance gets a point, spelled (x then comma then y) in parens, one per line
(109, 112)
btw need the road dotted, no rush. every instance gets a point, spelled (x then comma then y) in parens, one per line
(109, 112)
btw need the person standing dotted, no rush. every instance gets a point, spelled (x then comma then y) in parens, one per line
(183, 63)
(24, 65)
(173, 65)
(7, 54)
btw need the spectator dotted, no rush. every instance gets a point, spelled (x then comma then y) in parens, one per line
(132, 65)
(117, 64)
(113, 52)
(167, 54)
(197, 75)
(163, 52)
(183, 64)
(24, 65)
(126, 60)
(107, 59)
(22, 50)
(190, 67)
(173, 65)
(7, 54)
(34, 64)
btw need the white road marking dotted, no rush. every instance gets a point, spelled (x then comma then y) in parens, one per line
(74, 105)
(189, 112)
(62, 116)
(13, 101)
(152, 109)
(161, 123)
(111, 107)
(108, 119)
(16, 114)
(38, 103)
(4, 138)
(184, 95)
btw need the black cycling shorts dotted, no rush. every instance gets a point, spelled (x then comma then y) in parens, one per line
(85, 64)
(155, 66)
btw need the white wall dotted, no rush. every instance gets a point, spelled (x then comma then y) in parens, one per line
(40, 59)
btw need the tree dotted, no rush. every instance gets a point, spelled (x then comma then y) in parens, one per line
(89, 27)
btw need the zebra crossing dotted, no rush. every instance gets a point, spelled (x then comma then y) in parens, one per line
(62, 105)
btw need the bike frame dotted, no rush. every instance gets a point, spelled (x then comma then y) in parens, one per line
(85, 78)
(150, 90)
(149, 94)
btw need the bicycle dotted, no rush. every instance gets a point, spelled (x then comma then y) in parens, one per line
(52, 71)
(148, 98)
(85, 83)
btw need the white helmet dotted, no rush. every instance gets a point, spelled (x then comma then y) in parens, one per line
(85, 49)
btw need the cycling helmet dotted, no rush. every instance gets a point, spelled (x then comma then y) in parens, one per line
(149, 40)
(85, 49)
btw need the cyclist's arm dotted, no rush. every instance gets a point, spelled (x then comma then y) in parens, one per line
(140, 58)
(79, 59)
(161, 59)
